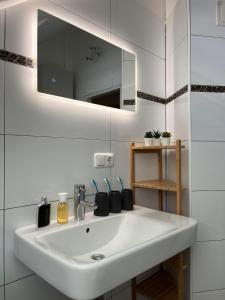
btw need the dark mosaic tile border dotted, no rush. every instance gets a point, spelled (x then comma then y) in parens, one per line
(150, 97)
(208, 88)
(177, 94)
(16, 58)
(28, 62)
(129, 102)
(163, 100)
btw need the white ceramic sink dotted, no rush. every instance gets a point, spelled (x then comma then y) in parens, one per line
(132, 242)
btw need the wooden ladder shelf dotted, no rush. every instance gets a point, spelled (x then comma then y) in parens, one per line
(161, 285)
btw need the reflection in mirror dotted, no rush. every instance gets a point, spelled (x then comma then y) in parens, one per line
(75, 64)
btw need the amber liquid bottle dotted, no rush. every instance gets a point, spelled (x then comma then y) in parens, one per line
(62, 209)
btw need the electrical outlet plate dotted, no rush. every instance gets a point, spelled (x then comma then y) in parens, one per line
(103, 160)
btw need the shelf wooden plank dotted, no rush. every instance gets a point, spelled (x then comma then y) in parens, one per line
(139, 146)
(162, 185)
(159, 286)
(174, 262)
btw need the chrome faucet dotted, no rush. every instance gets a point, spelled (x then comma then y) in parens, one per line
(80, 203)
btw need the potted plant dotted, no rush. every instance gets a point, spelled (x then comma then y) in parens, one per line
(148, 138)
(166, 136)
(156, 138)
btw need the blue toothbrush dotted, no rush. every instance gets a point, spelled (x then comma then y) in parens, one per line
(95, 185)
(121, 182)
(108, 184)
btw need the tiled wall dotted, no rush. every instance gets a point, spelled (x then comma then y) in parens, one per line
(177, 111)
(176, 45)
(208, 148)
(49, 143)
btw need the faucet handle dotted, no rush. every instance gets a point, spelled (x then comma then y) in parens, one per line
(79, 192)
(79, 187)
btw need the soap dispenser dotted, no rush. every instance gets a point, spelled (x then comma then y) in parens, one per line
(43, 213)
(62, 209)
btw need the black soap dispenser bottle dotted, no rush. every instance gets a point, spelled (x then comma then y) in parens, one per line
(43, 213)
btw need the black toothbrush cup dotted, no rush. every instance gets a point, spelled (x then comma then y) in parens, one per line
(127, 199)
(115, 199)
(102, 203)
(126, 196)
(115, 202)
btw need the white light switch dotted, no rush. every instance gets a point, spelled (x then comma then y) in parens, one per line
(103, 160)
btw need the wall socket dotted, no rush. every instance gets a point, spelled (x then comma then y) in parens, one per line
(103, 160)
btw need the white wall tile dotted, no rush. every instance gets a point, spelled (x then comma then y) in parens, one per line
(1, 250)
(176, 27)
(208, 166)
(203, 18)
(208, 209)
(21, 25)
(132, 126)
(207, 60)
(208, 266)
(157, 7)
(171, 175)
(211, 295)
(121, 167)
(207, 116)
(97, 11)
(15, 218)
(125, 22)
(2, 293)
(150, 68)
(150, 74)
(177, 69)
(2, 28)
(30, 113)
(1, 96)
(1, 171)
(170, 6)
(147, 198)
(177, 118)
(171, 162)
(33, 288)
(49, 166)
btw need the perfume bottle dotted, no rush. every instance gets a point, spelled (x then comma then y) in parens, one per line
(43, 213)
(62, 208)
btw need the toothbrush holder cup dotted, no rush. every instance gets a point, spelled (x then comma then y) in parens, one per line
(115, 201)
(127, 199)
(102, 203)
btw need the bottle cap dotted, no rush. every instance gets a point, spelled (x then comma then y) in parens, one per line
(44, 200)
(62, 197)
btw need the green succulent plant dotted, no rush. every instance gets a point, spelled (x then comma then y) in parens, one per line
(166, 134)
(148, 135)
(156, 134)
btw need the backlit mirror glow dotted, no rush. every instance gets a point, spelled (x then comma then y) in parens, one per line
(75, 64)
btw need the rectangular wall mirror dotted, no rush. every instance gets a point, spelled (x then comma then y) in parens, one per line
(75, 64)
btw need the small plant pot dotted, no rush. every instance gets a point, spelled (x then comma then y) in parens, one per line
(166, 141)
(148, 142)
(157, 142)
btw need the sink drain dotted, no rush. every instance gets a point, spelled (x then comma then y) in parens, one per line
(98, 256)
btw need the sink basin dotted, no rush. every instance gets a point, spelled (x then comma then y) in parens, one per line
(86, 259)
